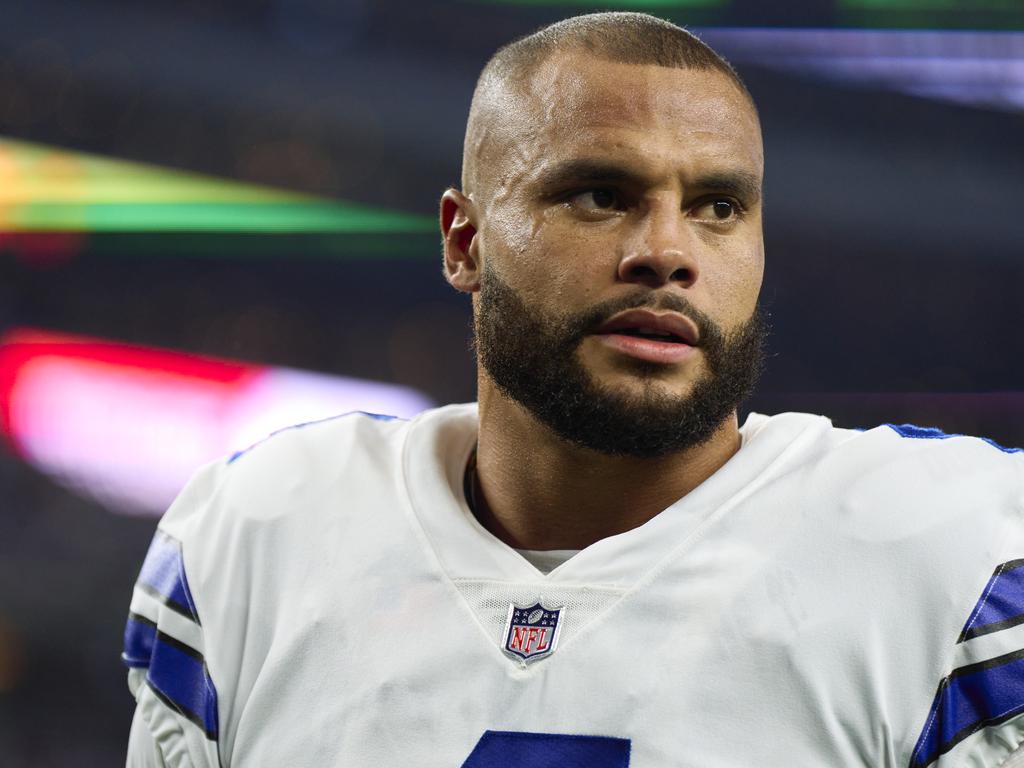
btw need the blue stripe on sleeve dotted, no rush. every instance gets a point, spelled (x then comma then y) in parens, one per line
(163, 574)
(934, 433)
(139, 637)
(1002, 603)
(973, 697)
(178, 674)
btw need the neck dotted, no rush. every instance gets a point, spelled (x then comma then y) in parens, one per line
(537, 491)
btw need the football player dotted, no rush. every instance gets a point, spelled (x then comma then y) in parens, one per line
(595, 565)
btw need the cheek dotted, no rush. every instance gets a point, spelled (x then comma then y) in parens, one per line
(574, 267)
(750, 272)
(733, 277)
(544, 259)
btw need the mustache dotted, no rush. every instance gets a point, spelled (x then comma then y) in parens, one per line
(586, 323)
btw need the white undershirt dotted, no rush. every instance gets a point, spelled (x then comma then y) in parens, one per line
(546, 560)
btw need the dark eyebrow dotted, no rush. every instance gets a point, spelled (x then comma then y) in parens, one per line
(572, 172)
(742, 185)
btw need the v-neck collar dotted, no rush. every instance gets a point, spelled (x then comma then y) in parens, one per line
(439, 444)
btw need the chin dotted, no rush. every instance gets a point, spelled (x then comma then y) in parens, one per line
(641, 378)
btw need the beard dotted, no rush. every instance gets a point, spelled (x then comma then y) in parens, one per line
(534, 360)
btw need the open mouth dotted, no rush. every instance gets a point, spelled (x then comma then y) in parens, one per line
(642, 333)
(645, 335)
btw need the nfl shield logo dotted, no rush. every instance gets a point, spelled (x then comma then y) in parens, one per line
(531, 633)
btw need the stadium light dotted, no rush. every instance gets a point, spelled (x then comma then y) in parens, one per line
(127, 425)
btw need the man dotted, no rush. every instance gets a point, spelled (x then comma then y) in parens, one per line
(594, 566)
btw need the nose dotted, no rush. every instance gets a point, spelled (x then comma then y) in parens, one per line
(663, 252)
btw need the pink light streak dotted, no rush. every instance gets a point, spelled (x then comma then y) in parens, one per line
(127, 425)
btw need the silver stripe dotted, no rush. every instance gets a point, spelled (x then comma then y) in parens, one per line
(169, 622)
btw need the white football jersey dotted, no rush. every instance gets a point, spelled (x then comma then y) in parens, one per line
(829, 597)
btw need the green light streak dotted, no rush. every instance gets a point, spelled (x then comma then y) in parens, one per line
(215, 217)
(273, 246)
(43, 189)
(933, 14)
(967, 6)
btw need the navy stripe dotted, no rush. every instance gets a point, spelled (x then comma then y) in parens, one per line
(178, 608)
(139, 637)
(163, 575)
(500, 749)
(187, 715)
(179, 675)
(934, 433)
(1001, 605)
(973, 697)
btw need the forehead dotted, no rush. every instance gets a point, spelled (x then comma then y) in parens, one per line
(582, 104)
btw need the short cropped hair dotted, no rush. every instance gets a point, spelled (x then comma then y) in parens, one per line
(621, 37)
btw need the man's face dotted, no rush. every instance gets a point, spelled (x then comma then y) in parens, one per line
(614, 187)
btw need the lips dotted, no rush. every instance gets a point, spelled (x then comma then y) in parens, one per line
(669, 327)
(666, 338)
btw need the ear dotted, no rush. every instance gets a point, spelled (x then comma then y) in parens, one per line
(461, 264)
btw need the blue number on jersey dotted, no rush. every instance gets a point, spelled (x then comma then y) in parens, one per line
(499, 749)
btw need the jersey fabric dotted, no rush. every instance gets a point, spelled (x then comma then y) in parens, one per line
(828, 597)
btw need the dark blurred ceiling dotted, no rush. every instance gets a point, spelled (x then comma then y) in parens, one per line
(367, 101)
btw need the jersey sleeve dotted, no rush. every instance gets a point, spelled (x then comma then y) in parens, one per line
(1016, 760)
(176, 716)
(976, 719)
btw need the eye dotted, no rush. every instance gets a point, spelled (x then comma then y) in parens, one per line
(721, 209)
(595, 200)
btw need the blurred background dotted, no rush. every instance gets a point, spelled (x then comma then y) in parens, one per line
(217, 218)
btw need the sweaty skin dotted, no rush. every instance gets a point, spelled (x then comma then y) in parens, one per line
(678, 140)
